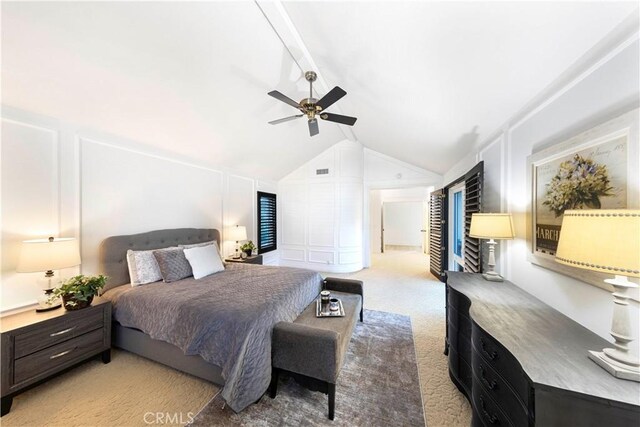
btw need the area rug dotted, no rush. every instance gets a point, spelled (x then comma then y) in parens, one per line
(378, 386)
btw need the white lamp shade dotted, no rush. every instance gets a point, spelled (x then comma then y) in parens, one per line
(236, 233)
(491, 226)
(46, 254)
(601, 240)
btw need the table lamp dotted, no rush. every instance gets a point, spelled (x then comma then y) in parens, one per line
(607, 241)
(491, 226)
(48, 255)
(236, 233)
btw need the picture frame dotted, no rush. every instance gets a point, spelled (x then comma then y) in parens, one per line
(596, 169)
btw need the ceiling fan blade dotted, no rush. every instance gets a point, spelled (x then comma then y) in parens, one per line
(338, 118)
(279, 96)
(334, 94)
(286, 119)
(313, 127)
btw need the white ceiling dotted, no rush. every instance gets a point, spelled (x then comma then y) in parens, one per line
(427, 80)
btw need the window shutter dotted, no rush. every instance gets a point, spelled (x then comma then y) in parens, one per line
(267, 230)
(473, 204)
(436, 233)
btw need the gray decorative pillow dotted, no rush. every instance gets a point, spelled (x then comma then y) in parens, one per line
(143, 267)
(173, 264)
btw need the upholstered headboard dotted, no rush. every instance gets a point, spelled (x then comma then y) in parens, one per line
(112, 257)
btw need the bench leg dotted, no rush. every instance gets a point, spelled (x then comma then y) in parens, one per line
(361, 314)
(332, 400)
(273, 388)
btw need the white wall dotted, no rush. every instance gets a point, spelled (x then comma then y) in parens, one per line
(402, 223)
(601, 86)
(64, 180)
(321, 216)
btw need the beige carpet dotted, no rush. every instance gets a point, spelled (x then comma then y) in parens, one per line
(399, 282)
(126, 392)
(123, 392)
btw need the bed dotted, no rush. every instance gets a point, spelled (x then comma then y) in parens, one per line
(217, 328)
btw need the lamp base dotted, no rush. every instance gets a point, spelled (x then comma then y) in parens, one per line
(47, 303)
(492, 276)
(616, 369)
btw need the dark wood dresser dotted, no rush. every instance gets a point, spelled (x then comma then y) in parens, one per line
(522, 363)
(36, 346)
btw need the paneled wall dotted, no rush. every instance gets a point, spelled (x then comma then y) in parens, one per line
(322, 222)
(62, 180)
(603, 86)
(321, 216)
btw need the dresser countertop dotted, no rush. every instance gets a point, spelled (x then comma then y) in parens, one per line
(551, 348)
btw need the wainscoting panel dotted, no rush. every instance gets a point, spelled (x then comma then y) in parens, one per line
(292, 254)
(322, 257)
(30, 201)
(321, 214)
(293, 210)
(126, 192)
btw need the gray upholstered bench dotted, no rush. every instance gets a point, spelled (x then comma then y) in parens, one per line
(312, 350)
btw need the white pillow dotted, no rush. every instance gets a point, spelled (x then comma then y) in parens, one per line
(197, 245)
(143, 267)
(204, 260)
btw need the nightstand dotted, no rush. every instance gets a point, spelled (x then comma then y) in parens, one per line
(253, 259)
(36, 346)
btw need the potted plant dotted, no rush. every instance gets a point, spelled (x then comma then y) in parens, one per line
(248, 247)
(78, 291)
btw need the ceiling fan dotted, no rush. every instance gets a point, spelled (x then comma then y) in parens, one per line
(313, 108)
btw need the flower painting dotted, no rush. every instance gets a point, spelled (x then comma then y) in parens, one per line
(589, 178)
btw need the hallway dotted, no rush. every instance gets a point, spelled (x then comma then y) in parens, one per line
(400, 282)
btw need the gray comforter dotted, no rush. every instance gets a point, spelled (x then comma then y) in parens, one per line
(226, 318)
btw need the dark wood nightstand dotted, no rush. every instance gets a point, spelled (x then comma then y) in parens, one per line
(253, 259)
(36, 346)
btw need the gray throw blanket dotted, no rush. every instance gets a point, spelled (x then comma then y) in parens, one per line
(226, 318)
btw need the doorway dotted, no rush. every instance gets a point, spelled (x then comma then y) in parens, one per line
(397, 220)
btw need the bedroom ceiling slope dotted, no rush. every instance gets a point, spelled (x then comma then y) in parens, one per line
(189, 78)
(427, 80)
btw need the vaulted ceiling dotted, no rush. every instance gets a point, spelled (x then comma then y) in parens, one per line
(427, 80)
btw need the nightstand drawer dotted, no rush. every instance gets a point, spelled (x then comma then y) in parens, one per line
(48, 359)
(58, 331)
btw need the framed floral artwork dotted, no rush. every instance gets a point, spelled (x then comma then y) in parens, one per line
(597, 169)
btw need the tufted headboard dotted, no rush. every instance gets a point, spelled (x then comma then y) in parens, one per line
(112, 255)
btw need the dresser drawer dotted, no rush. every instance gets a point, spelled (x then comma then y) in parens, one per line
(496, 356)
(458, 301)
(57, 331)
(460, 321)
(53, 357)
(460, 369)
(460, 343)
(496, 387)
(487, 411)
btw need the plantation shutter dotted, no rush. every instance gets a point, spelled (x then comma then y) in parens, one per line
(436, 233)
(267, 230)
(473, 204)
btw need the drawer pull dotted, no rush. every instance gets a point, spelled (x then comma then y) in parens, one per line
(491, 418)
(55, 356)
(64, 331)
(491, 385)
(493, 355)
